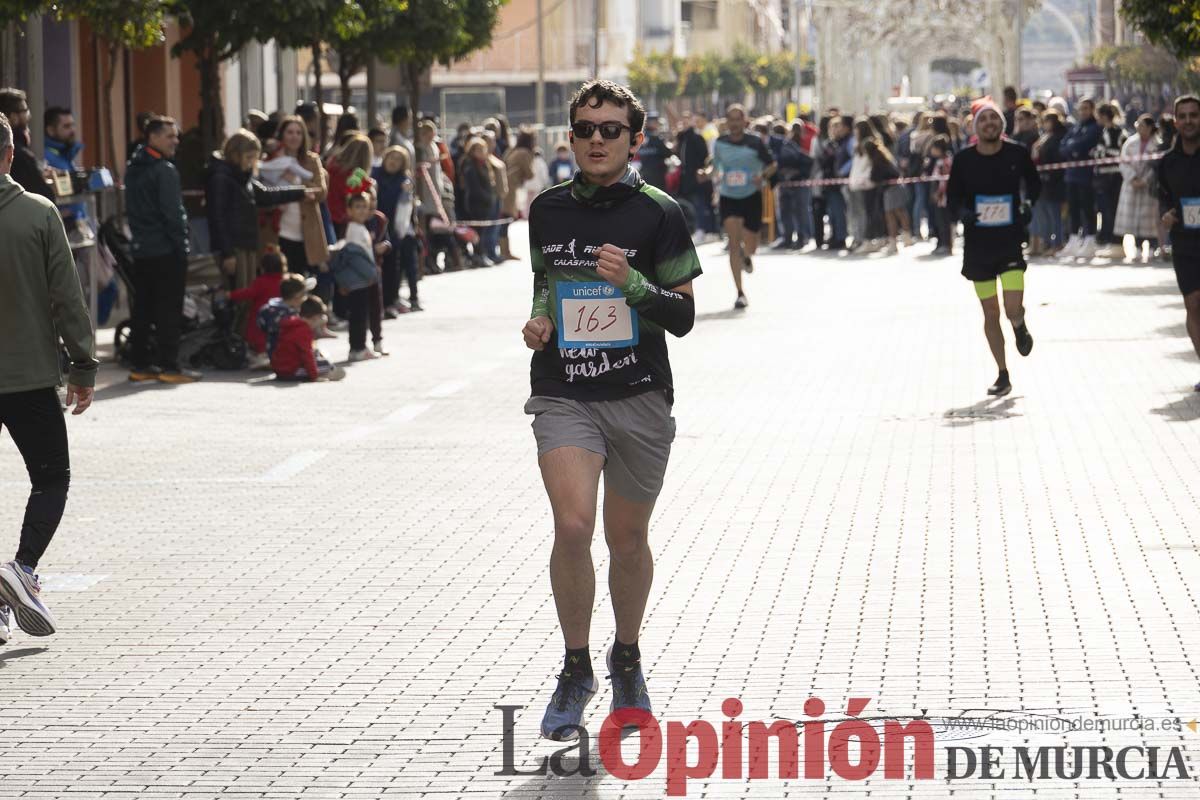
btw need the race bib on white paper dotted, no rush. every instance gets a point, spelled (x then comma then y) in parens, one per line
(737, 178)
(1191, 212)
(993, 210)
(594, 314)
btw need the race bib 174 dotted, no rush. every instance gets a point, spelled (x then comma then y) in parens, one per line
(594, 314)
(993, 210)
(1191, 212)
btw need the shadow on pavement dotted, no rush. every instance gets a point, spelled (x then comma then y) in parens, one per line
(126, 388)
(732, 313)
(26, 651)
(984, 411)
(1185, 409)
(1165, 288)
(551, 787)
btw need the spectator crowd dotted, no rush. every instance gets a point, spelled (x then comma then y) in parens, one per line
(317, 230)
(832, 186)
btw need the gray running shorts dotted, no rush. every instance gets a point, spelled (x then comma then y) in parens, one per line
(634, 435)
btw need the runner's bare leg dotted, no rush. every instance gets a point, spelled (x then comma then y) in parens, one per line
(572, 479)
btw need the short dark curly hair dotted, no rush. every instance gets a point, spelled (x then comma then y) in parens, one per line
(595, 92)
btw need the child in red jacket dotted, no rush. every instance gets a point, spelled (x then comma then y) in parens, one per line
(257, 295)
(294, 358)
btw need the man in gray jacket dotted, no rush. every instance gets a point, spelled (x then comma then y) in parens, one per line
(40, 303)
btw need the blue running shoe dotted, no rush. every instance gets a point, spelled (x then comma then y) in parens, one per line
(629, 691)
(20, 589)
(565, 711)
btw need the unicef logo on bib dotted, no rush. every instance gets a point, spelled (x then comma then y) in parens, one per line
(609, 291)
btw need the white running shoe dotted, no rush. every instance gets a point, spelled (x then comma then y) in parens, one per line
(1071, 248)
(361, 355)
(21, 590)
(5, 630)
(1087, 248)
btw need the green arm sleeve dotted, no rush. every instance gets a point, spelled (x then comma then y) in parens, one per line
(541, 296)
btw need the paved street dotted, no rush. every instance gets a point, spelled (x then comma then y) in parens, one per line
(322, 591)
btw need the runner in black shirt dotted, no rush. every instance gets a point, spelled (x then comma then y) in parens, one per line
(984, 191)
(613, 266)
(1179, 182)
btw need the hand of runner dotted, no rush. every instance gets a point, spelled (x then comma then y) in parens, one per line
(1170, 219)
(612, 265)
(537, 332)
(81, 396)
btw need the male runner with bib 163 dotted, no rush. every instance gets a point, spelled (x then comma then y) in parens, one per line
(1179, 185)
(613, 264)
(984, 191)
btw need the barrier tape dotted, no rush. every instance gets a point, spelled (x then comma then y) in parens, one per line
(1091, 162)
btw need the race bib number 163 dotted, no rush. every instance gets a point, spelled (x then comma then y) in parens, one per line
(1191, 213)
(594, 314)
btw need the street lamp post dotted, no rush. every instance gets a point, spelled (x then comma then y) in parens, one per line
(541, 73)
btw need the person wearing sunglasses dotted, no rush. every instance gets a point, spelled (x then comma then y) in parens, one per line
(613, 266)
(744, 164)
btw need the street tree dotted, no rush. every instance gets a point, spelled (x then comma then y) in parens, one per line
(121, 24)
(429, 32)
(1172, 24)
(214, 31)
(313, 24)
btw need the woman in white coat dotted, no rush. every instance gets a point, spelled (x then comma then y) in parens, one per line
(1137, 209)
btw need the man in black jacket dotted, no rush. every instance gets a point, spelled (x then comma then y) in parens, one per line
(25, 170)
(159, 228)
(693, 154)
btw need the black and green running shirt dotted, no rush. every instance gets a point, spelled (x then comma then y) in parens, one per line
(568, 224)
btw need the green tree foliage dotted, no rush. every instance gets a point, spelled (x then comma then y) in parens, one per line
(655, 75)
(1143, 68)
(429, 32)
(1171, 24)
(214, 31)
(20, 10)
(701, 75)
(698, 76)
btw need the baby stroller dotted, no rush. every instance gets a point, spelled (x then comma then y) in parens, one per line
(208, 338)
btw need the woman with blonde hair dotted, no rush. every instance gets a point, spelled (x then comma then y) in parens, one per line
(298, 228)
(355, 153)
(395, 201)
(233, 194)
(479, 194)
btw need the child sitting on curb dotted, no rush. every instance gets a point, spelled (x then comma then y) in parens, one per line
(295, 358)
(256, 295)
(292, 291)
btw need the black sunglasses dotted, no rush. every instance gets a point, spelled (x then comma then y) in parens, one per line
(608, 130)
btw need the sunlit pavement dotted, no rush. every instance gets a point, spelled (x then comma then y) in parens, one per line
(324, 590)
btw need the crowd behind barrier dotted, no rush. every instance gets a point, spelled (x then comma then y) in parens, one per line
(359, 213)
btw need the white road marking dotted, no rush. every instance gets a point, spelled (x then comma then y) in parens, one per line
(69, 583)
(357, 433)
(293, 465)
(446, 389)
(406, 413)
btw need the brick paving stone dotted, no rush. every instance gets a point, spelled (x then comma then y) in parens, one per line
(846, 515)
